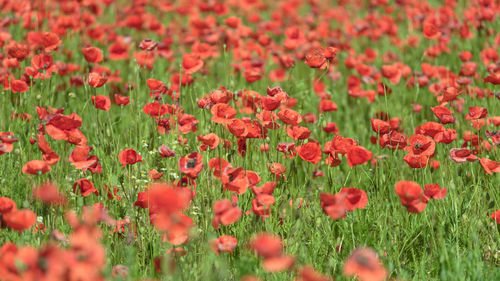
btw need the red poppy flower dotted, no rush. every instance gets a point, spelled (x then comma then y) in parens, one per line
(310, 118)
(435, 191)
(277, 170)
(19, 220)
(288, 149)
(148, 45)
(392, 72)
(191, 63)
(270, 103)
(380, 126)
(319, 57)
(443, 113)
(156, 88)
(278, 264)
(364, 264)
(298, 132)
(429, 129)
(421, 145)
(493, 78)
(80, 158)
(191, 165)
(496, 216)
(166, 202)
(165, 151)
(462, 155)
(289, 116)
(340, 144)
(355, 198)
(49, 194)
(476, 113)
(446, 136)
(86, 187)
(225, 243)
(358, 155)
(92, 54)
(187, 123)
(430, 31)
(36, 167)
(235, 180)
(310, 152)
(17, 50)
(155, 109)
(155, 175)
(18, 86)
(225, 213)
(331, 127)
(490, 166)
(5, 147)
(129, 157)
(121, 100)
(393, 140)
(49, 40)
(308, 273)
(101, 102)
(7, 205)
(267, 245)
(118, 50)
(327, 106)
(209, 140)
(222, 113)
(142, 200)
(238, 128)
(266, 188)
(411, 196)
(334, 205)
(97, 80)
(217, 166)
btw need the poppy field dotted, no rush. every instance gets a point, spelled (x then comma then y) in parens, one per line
(249, 140)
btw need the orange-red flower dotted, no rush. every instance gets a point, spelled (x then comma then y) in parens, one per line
(270, 248)
(289, 116)
(462, 155)
(48, 193)
(358, 155)
(496, 216)
(225, 243)
(19, 220)
(129, 157)
(430, 31)
(411, 196)
(19, 86)
(191, 63)
(434, 191)
(7, 205)
(222, 113)
(36, 167)
(101, 102)
(191, 165)
(490, 166)
(364, 264)
(355, 198)
(310, 152)
(209, 140)
(97, 80)
(308, 273)
(225, 213)
(92, 54)
(334, 205)
(86, 187)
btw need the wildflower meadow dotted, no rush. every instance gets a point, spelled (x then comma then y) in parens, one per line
(252, 140)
